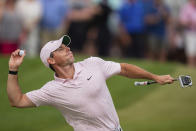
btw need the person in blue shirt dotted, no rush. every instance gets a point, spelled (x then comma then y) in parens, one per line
(132, 22)
(157, 18)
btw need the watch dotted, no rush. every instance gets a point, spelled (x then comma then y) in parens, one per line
(13, 72)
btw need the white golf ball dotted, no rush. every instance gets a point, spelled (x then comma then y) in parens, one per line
(21, 52)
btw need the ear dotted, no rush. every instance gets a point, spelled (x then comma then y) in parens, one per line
(51, 61)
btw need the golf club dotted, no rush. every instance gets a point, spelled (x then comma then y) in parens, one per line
(185, 81)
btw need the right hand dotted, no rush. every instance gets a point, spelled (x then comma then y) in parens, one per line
(164, 79)
(15, 60)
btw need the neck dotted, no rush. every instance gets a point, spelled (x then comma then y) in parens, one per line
(66, 72)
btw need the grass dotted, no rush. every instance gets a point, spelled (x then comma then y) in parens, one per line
(162, 108)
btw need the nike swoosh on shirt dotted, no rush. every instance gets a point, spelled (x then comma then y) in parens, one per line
(89, 78)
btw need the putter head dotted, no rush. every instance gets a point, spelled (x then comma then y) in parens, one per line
(185, 81)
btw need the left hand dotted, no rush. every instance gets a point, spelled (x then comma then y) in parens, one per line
(15, 60)
(164, 79)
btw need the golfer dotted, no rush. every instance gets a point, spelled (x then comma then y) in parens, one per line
(79, 90)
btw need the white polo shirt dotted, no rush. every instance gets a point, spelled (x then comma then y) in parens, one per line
(84, 101)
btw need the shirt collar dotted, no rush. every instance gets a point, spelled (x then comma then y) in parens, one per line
(78, 69)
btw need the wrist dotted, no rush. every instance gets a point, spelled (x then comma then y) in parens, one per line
(13, 69)
(154, 77)
(13, 72)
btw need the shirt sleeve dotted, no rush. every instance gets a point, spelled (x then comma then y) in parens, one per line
(108, 68)
(38, 97)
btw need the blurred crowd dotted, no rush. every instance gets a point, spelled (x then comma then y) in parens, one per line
(159, 30)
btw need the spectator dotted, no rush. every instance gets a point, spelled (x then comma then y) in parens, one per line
(31, 12)
(175, 32)
(132, 23)
(53, 22)
(157, 18)
(99, 24)
(188, 20)
(81, 12)
(10, 28)
(113, 25)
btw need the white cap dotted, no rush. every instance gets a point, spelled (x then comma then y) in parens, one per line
(51, 46)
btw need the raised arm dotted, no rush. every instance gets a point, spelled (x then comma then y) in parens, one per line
(16, 97)
(132, 71)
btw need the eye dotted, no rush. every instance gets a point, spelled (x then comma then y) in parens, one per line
(60, 48)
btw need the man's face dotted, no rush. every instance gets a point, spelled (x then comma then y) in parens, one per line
(63, 56)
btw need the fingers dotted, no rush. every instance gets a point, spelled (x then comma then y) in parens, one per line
(168, 79)
(15, 53)
(165, 79)
(16, 60)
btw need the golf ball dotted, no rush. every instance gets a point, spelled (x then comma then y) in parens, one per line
(21, 52)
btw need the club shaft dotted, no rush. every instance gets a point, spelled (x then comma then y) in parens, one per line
(148, 82)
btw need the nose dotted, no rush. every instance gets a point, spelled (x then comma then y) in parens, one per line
(67, 48)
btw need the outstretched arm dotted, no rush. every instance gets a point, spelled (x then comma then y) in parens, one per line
(132, 71)
(16, 98)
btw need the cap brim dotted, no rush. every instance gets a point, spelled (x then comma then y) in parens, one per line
(66, 40)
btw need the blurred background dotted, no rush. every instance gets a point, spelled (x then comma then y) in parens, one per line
(157, 35)
(162, 30)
